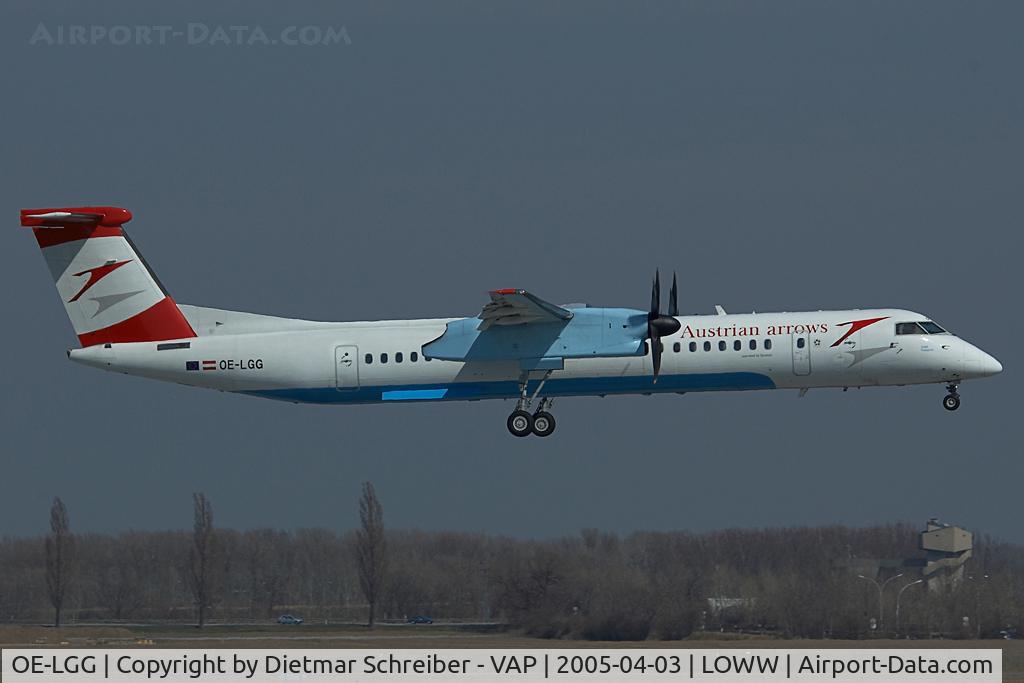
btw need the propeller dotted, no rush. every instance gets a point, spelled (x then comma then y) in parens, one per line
(659, 325)
(673, 299)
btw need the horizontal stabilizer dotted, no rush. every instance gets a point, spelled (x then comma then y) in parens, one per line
(109, 216)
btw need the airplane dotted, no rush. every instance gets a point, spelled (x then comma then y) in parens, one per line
(518, 347)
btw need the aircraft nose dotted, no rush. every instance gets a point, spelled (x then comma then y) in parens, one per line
(977, 363)
(988, 365)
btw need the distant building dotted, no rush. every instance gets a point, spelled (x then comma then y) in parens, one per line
(945, 550)
(720, 605)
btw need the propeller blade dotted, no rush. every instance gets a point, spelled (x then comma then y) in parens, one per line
(655, 351)
(673, 298)
(656, 295)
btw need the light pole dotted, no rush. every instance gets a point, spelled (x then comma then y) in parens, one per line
(900, 595)
(880, 587)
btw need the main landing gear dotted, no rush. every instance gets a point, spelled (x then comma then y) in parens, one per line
(951, 401)
(541, 422)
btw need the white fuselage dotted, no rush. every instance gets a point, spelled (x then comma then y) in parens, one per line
(369, 362)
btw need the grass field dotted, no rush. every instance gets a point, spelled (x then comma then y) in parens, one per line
(425, 637)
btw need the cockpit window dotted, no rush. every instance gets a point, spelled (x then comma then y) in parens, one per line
(932, 328)
(909, 328)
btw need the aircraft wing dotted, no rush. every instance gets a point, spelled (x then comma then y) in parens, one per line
(516, 326)
(519, 307)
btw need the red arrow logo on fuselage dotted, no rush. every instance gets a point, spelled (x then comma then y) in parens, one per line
(856, 325)
(96, 274)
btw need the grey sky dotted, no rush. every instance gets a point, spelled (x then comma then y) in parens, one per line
(780, 156)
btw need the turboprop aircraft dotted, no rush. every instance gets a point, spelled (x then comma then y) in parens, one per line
(519, 347)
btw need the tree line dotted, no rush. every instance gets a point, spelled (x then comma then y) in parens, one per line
(792, 582)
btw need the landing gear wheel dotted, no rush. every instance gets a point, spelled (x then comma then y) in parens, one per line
(951, 401)
(520, 423)
(543, 423)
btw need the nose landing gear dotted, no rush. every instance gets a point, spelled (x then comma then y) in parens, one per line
(951, 401)
(541, 423)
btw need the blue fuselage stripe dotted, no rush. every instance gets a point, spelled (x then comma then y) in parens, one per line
(413, 394)
(570, 386)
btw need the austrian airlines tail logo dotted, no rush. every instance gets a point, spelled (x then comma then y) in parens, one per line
(95, 275)
(856, 325)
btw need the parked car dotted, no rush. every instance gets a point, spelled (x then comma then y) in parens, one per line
(289, 620)
(420, 620)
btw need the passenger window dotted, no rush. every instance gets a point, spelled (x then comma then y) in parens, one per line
(413, 357)
(800, 342)
(721, 345)
(707, 346)
(768, 344)
(753, 345)
(693, 346)
(647, 348)
(398, 357)
(383, 358)
(676, 347)
(908, 328)
(369, 359)
(737, 345)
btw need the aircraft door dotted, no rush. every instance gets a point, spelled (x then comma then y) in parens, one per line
(801, 353)
(346, 367)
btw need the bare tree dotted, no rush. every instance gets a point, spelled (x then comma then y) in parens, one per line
(268, 558)
(648, 584)
(318, 560)
(370, 549)
(202, 554)
(118, 581)
(60, 547)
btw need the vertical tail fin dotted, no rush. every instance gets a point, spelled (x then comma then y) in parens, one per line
(108, 290)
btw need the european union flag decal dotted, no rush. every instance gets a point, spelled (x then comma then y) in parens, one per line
(191, 365)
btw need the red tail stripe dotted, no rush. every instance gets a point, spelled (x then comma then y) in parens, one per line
(163, 320)
(49, 237)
